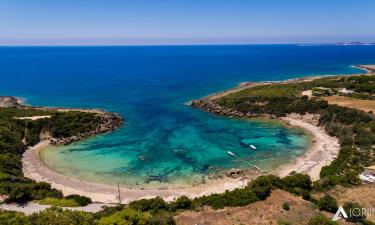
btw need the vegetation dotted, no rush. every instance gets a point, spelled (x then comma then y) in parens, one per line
(286, 206)
(80, 200)
(58, 202)
(51, 216)
(126, 216)
(16, 135)
(354, 211)
(328, 203)
(354, 128)
(321, 220)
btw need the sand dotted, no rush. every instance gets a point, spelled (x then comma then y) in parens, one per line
(321, 152)
(32, 117)
(34, 168)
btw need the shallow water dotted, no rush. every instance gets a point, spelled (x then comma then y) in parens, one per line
(163, 140)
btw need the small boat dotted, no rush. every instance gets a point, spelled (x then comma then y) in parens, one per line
(255, 166)
(253, 147)
(231, 154)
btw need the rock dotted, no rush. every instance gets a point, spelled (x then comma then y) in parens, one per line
(110, 122)
(7, 101)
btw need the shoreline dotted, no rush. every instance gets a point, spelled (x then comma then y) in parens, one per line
(322, 150)
(35, 169)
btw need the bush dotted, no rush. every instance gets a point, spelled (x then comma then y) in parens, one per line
(153, 205)
(61, 217)
(262, 185)
(366, 222)
(283, 222)
(237, 197)
(81, 200)
(58, 202)
(132, 216)
(182, 202)
(286, 206)
(19, 194)
(354, 211)
(328, 203)
(13, 218)
(306, 195)
(296, 183)
(321, 220)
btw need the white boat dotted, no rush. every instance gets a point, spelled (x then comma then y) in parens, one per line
(231, 154)
(253, 147)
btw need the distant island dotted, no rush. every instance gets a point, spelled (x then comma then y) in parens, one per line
(352, 43)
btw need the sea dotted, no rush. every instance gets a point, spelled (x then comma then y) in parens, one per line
(165, 142)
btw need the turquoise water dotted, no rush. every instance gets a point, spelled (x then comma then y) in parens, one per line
(163, 141)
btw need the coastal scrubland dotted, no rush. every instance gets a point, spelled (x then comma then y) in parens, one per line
(16, 135)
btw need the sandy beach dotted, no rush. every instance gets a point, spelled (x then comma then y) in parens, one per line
(321, 152)
(34, 168)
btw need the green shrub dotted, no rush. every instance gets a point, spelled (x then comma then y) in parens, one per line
(306, 195)
(262, 185)
(182, 202)
(321, 220)
(237, 197)
(80, 200)
(283, 222)
(328, 203)
(13, 218)
(61, 217)
(126, 216)
(296, 183)
(354, 211)
(286, 206)
(153, 205)
(58, 202)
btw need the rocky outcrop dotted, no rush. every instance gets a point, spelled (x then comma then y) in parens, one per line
(212, 106)
(307, 118)
(7, 101)
(109, 122)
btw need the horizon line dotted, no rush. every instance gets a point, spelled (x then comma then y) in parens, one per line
(342, 43)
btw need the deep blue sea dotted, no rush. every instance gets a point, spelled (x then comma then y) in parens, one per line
(163, 140)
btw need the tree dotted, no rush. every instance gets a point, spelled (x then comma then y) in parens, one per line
(328, 203)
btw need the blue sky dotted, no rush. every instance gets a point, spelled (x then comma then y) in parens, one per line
(185, 21)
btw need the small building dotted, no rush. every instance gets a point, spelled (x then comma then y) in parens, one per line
(345, 91)
(322, 91)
